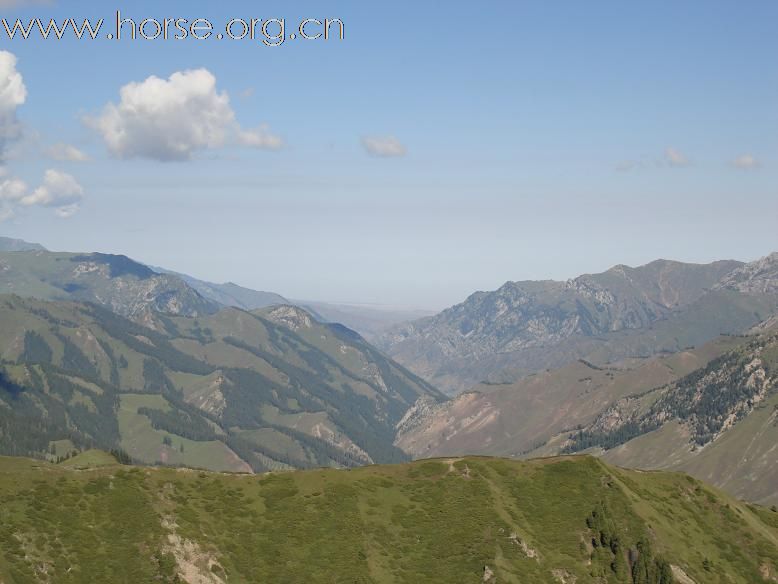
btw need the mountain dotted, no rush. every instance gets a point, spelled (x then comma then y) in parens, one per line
(115, 281)
(369, 321)
(710, 411)
(719, 423)
(566, 520)
(512, 419)
(8, 244)
(229, 294)
(526, 327)
(233, 390)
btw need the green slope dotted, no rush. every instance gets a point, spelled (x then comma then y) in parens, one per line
(459, 520)
(229, 391)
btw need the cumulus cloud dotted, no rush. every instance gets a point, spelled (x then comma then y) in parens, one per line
(59, 190)
(746, 162)
(171, 119)
(13, 190)
(66, 153)
(676, 158)
(13, 93)
(383, 146)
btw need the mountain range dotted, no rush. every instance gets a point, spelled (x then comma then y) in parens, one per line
(101, 351)
(527, 327)
(233, 390)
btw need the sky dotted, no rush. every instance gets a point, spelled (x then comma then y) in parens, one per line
(438, 149)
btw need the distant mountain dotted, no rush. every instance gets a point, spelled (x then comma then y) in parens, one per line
(8, 244)
(229, 294)
(369, 321)
(233, 390)
(463, 520)
(526, 327)
(124, 286)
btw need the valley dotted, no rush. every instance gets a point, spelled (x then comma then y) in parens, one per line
(100, 352)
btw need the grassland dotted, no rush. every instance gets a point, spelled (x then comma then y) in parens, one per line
(571, 519)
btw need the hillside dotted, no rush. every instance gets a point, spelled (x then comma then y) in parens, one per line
(114, 281)
(512, 419)
(458, 520)
(526, 327)
(710, 411)
(232, 390)
(719, 423)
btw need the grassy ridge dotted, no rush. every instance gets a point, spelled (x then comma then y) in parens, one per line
(459, 520)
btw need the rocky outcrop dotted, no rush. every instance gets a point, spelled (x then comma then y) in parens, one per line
(291, 317)
(759, 277)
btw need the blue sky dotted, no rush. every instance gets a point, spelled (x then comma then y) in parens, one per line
(534, 140)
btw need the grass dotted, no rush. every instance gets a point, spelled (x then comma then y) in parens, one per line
(89, 459)
(430, 521)
(143, 442)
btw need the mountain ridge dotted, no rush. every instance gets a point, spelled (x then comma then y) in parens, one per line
(532, 325)
(229, 390)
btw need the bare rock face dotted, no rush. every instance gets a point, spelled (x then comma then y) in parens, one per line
(291, 317)
(759, 277)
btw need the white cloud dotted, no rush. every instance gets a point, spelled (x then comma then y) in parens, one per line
(383, 146)
(676, 158)
(58, 190)
(746, 162)
(171, 119)
(12, 190)
(260, 138)
(66, 153)
(13, 93)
